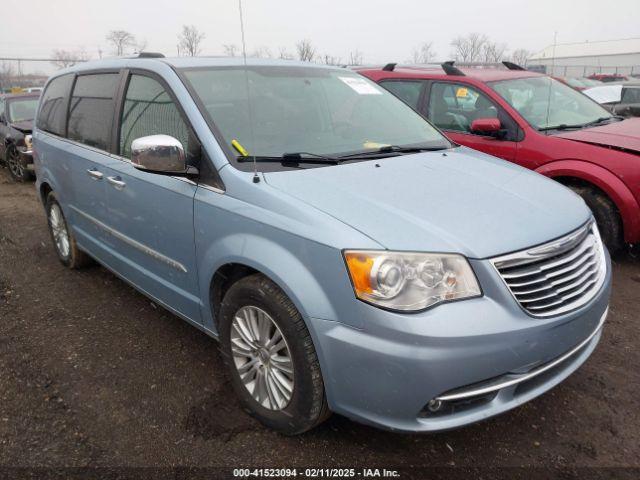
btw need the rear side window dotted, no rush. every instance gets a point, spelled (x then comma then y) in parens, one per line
(407, 91)
(149, 110)
(53, 105)
(91, 110)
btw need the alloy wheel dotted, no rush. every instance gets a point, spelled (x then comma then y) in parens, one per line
(262, 358)
(59, 230)
(15, 165)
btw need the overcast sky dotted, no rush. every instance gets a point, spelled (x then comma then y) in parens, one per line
(382, 31)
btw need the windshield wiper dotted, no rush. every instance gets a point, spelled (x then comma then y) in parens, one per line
(602, 119)
(292, 158)
(564, 126)
(389, 149)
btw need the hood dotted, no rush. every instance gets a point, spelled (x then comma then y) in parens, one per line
(624, 135)
(462, 201)
(25, 126)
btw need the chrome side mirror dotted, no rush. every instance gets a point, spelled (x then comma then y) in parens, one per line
(159, 154)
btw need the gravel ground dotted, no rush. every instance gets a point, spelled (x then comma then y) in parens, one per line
(92, 374)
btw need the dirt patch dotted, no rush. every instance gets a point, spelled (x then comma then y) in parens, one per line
(229, 418)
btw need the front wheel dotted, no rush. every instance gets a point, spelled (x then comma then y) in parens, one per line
(606, 215)
(16, 168)
(271, 359)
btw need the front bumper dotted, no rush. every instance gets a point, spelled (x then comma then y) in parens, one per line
(480, 357)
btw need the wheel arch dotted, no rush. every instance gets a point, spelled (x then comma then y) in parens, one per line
(224, 263)
(578, 172)
(44, 190)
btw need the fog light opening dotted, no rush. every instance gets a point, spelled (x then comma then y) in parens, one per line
(434, 405)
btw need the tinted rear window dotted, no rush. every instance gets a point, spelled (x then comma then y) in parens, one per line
(53, 106)
(91, 110)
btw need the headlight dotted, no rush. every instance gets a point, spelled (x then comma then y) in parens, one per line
(410, 281)
(28, 142)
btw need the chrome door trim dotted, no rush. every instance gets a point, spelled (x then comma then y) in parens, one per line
(212, 189)
(509, 378)
(95, 174)
(118, 184)
(135, 244)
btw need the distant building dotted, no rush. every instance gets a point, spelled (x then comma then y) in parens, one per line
(583, 59)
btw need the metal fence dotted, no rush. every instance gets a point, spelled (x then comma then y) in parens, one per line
(17, 72)
(584, 70)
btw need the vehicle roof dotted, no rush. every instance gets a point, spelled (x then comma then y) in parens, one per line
(427, 71)
(185, 62)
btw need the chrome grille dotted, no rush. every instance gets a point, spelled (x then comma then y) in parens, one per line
(558, 276)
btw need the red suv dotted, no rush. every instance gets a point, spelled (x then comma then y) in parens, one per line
(539, 123)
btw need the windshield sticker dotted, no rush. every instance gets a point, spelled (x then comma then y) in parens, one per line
(361, 86)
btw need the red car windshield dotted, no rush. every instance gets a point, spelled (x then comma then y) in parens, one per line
(546, 103)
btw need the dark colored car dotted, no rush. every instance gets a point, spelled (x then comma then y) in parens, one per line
(16, 123)
(621, 99)
(539, 123)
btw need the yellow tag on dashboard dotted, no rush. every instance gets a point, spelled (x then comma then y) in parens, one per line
(461, 92)
(368, 144)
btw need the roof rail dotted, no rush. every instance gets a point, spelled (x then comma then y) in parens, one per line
(513, 66)
(449, 69)
(150, 55)
(389, 67)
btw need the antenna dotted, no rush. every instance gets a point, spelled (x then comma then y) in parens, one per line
(553, 70)
(256, 178)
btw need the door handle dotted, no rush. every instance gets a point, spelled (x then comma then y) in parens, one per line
(95, 174)
(116, 182)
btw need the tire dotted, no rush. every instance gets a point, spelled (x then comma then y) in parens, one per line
(606, 215)
(257, 299)
(62, 237)
(16, 169)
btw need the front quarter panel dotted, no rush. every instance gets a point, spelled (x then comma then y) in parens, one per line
(296, 246)
(618, 190)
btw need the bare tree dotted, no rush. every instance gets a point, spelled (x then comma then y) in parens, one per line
(306, 51)
(141, 45)
(230, 49)
(6, 74)
(493, 52)
(356, 57)
(121, 40)
(67, 58)
(520, 56)
(330, 59)
(189, 40)
(284, 54)
(423, 53)
(469, 48)
(262, 52)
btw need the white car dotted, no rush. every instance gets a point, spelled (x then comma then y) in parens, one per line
(621, 98)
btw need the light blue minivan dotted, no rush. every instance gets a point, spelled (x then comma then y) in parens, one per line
(348, 257)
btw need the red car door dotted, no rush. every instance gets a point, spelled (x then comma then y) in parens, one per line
(453, 107)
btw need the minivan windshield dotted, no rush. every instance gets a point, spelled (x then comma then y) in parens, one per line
(23, 110)
(277, 110)
(546, 103)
